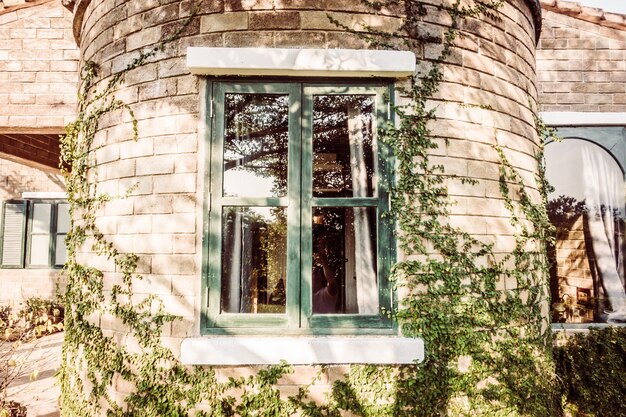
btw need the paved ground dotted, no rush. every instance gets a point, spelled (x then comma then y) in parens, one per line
(39, 394)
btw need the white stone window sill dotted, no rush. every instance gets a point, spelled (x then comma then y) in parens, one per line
(300, 62)
(305, 350)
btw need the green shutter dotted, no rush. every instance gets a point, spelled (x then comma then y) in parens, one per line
(13, 233)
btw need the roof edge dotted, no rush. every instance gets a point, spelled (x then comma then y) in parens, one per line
(30, 3)
(588, 14)
(78, 8)
(535, 10)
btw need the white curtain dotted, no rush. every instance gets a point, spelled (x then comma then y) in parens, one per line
(367, 288)
(233, 249)
(238, 261)
(604, 198)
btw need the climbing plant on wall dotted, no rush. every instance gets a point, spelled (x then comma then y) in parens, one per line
(488, 346)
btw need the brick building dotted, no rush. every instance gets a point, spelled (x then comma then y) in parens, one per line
(582, 91)
(196, 193)
(38, 84)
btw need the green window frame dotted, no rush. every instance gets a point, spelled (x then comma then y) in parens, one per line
(29, 223)
(299, 202)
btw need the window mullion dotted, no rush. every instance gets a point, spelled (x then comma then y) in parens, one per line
(306, 193)
(345, 202)
(295, 286)
(214, 238)
(53, 233)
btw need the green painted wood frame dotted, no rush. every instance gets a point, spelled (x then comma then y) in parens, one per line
(52, 232)
(24, 205)
(299, 203)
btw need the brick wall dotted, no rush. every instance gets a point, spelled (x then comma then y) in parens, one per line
(38, 66)
(17, 178)
(16, 285)
(38, 84)
(581, 65)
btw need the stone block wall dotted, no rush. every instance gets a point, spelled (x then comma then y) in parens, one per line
(484, 100)
(17, 285)
(581, 63)
(17, 178)
(38, 66)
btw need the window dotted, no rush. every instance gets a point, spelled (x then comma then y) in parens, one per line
(33, 233)
(297, 236)
(587, 274)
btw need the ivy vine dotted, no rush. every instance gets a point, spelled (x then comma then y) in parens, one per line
(488, 347)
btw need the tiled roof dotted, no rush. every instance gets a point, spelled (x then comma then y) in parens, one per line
(589, 14)
(10, 5)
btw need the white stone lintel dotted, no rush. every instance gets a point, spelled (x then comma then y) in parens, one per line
(300, 62)
(47, 195)
(295, 350)
(584, 118)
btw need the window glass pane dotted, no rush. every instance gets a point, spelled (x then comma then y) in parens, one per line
(63, 218)
(255, 145)
(254, 259)
(39, 249)
(60, 256)
(41, 218)
(344, 260)
(587, 208)
(343, 146)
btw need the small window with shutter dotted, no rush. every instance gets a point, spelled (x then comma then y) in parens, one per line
(33, 233)
(13, 233)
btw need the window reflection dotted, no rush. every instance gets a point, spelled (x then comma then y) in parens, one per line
(343, 146)
(254, 261)
(255, 145)
(344, 262)
(587, 209)
(40, 235)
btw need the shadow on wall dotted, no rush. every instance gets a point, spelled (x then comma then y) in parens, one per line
(17, 177)
(56, 179)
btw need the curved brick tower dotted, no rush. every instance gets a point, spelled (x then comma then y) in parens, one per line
(216, 247)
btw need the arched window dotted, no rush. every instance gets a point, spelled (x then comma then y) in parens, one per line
(587, 278)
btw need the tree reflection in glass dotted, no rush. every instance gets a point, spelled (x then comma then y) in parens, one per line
(256, 136)
(343, 146)
(254, 261)
(344, 266)
(587, 209)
